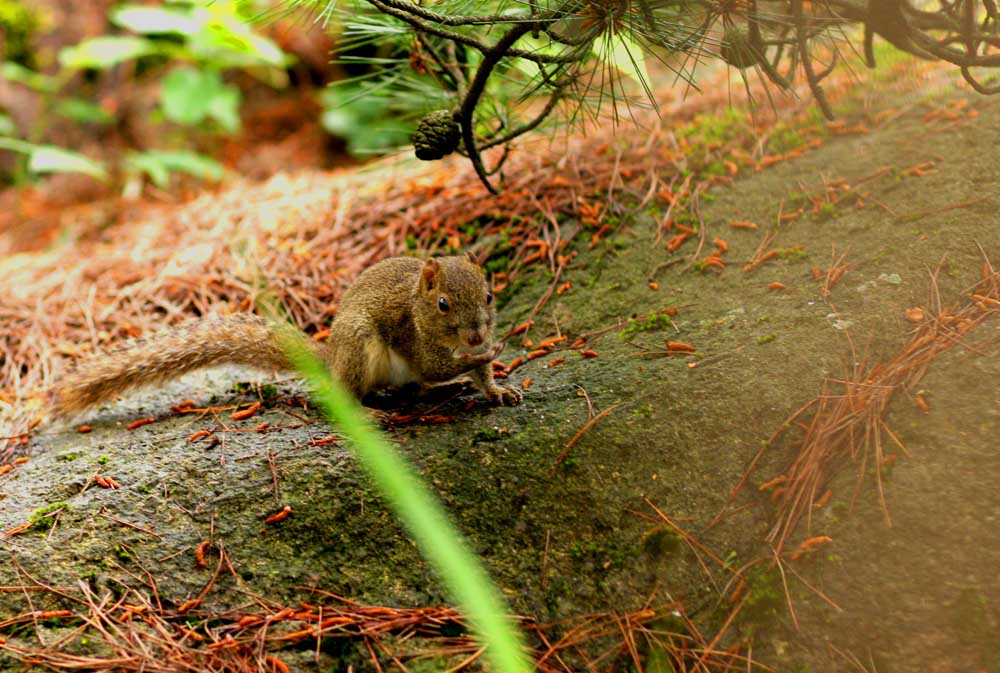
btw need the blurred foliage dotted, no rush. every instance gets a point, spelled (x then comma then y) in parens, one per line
(17, 24)
(188, 46)
(459, 76)
(43, 159)
(370, 123)
(159, 164)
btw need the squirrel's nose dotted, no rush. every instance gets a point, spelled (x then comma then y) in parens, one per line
(474, 337)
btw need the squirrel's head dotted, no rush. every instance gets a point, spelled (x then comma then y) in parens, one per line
(455, 303)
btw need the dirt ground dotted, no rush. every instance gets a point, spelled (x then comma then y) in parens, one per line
(567, 539)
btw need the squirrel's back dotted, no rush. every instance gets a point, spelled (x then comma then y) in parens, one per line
(240, 339)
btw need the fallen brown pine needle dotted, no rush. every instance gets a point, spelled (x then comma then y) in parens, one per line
(140, 422)
(919, 215)
(198, 434)
(279, 516)
(810, 544)
(246, 413)
(137, 634)
(846, 422)
(582, 431)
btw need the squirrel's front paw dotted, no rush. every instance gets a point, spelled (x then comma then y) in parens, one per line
(505, 395)
(482, 358)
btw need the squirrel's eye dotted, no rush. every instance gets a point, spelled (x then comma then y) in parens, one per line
(489, 298)
(443, 305)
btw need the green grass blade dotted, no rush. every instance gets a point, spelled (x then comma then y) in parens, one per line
(421, 513)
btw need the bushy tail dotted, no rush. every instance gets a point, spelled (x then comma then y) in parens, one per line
(240, 339)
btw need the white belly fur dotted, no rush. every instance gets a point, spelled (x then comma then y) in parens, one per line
(388, 368)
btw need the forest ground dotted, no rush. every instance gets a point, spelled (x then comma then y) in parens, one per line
(904, 189)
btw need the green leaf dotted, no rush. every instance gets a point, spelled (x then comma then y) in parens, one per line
(340, 122)
(7, 125)
(159, 164)
(362, 118)
(224, 108)
(225, 40)
(16, 145)
(187, 94)
(83, 111)
(52, 159)
(15, 72)
(366, 134)
(155, 20)
(105, 52)
(155, 169)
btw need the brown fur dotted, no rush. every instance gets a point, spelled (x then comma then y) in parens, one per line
(389, 330)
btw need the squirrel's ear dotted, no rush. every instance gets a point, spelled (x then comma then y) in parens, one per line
(429, 274)
(472, 257)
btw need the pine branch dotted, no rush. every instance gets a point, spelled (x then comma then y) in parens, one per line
(560, 37)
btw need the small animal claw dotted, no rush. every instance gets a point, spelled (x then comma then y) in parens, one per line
(506, 395)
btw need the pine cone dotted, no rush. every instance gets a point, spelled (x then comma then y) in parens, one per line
(437, 135)
(738, 50)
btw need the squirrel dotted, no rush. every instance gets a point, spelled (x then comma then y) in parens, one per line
(404, 320)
